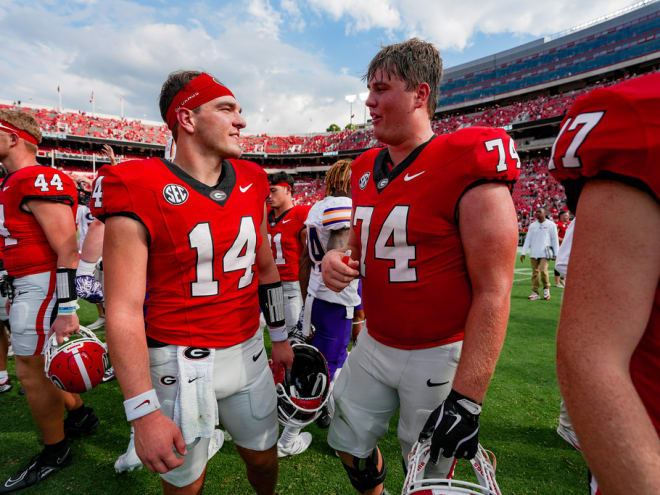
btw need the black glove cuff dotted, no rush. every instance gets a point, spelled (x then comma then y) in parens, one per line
(471, 407)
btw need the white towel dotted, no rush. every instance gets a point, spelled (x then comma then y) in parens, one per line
(195, 406)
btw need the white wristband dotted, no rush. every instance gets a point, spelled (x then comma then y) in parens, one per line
(67, 308)
(278, 334)
(141, 405)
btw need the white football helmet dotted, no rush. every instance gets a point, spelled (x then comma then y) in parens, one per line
(415, 483)
(304, 390)
(77, 364)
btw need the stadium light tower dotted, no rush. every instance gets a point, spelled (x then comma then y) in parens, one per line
(363, 99)
(350, 99)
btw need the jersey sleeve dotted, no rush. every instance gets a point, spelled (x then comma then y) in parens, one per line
(611, 133)
(484, 155)
(112, 195)
(48, 184)
(337, 215)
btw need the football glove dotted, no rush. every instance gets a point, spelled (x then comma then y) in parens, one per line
(89, 289)
(7, 287)
(453, 428)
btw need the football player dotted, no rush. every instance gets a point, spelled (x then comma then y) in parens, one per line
(434, 236)
(331, 314)
(90, 247)
(37, 222)
(607, 157)
(328, 225)
(193, 232)
(287, 236)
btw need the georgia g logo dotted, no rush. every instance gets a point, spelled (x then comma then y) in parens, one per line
(196, 352)
(175, 194)
(364, 180)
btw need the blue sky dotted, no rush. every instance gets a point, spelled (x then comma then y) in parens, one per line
(290, 62)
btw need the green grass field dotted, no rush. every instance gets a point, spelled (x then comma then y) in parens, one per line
(518, 425)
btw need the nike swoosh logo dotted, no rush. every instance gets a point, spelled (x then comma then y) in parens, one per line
(407, 177)
(429, 383)
(243, 189)
(148, 401)
(456, 421)
(254, 358)
(60, 459)
(190, 380)
(285, 221)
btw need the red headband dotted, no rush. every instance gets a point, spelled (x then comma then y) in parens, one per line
(12, 129)
(283, 184)
(201, 89)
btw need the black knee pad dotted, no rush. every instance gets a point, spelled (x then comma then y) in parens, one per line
(364, 474)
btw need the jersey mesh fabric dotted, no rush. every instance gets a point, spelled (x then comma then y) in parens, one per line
(201, 271)
(330, 214)
(284, 233)
(26, 250)
(416, 290)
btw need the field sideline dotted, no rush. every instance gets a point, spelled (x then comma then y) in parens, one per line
(518, 425)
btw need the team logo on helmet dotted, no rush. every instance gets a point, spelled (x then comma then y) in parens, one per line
(196, 352)
(175, 194)
(364, 180)
(218, 195)
(78, 364)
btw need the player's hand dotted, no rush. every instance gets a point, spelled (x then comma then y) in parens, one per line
(337, 274)
(282, 354)
(65, 326)
(89, 289)
(155, 434)
(453, 428)
(522, 258)
(110, 153)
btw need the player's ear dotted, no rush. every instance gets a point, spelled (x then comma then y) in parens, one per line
(186, 120)
(422, 93)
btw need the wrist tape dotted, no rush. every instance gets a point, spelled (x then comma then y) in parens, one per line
(65, 285)
(271, 300)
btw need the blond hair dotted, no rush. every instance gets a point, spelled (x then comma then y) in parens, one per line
(414, 62)
(25, 122)
(338, 177)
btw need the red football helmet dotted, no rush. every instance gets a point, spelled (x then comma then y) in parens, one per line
(304, 390)
(78, 364)
(415, 483)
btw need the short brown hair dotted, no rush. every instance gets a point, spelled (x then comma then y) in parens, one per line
(338, 177)
(278, 177)
(24, 121)
(175, 82)
(414, 62)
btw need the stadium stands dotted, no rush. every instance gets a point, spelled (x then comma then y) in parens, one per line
(622, 39)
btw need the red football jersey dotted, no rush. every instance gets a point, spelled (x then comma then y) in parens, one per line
(201, 271)
(562, 227)
(614, 133)
(416, 289)
(284, 235)
(26, 250)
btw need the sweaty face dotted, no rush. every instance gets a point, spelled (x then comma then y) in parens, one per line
(278, 197)
(218, 124)
(391, 107)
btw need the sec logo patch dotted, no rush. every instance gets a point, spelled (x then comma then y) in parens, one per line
(364, 180)
(175, 194)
